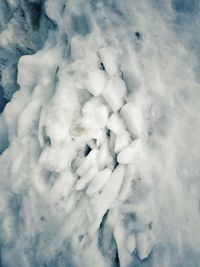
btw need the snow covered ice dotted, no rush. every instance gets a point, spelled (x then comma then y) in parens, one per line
(99, 133)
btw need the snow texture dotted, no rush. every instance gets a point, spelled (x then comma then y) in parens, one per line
(99, 133)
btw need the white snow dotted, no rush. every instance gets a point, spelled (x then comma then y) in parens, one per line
(99, 147)
(109, 57)
(131, 153)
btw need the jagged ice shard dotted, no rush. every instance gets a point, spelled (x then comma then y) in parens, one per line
(99, 133)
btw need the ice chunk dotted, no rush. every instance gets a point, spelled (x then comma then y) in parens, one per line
(114, 93)
(122, 140)
(131, 242)
(89, 161)
(134, 119)
(115, 123)
(143, 245)
(95, 114)
(109, 58)
(130, 153)
(120, 237)
(106, 199)
(86, 178)
(97, 109)
(104, 157)
(96, 82)
(99, 181)
(115, 182)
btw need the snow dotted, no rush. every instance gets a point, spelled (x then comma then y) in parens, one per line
(99, 133)
(110, 60)
(23, 31)
(131, 153)
(4, 134)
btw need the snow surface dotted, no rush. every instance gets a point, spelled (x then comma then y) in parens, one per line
(100, 146)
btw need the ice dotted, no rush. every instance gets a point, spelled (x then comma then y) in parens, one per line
(143, 245)
(109, 193)
(131, 243)
(89, 161)
(86, 178)
(94, 117)
(122, 140)
(96, 82)
(115, 124)
(134, 119)
(115, 182)
(99, 181)
(96, 108)
(114, 93)
(104, 157)
(124, 256)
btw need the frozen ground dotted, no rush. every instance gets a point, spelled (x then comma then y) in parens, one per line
(99, 138)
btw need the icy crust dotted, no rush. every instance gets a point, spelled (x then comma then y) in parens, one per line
(91, 177)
